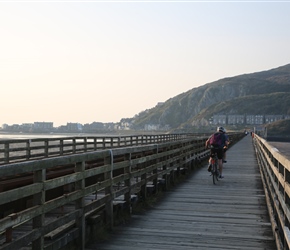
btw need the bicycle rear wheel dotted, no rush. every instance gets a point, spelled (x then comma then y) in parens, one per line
(213, 171)
(215, 174)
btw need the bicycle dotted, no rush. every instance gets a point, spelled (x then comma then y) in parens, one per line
(214, 168)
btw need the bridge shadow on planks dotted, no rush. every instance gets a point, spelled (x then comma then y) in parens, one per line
(199, 215)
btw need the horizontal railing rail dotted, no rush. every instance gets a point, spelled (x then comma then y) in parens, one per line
(29, 149)
(275, 172)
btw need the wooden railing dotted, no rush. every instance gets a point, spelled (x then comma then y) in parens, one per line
(275, 172)
(28, 149)
(64, 201)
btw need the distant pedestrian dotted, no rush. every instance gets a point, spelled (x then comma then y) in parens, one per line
(226, 147)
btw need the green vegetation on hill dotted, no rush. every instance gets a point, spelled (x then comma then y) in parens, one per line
(279, 128)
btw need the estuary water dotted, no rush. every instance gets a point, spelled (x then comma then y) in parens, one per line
(19, 136)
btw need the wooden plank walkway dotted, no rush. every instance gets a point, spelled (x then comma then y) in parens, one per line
(199, 215)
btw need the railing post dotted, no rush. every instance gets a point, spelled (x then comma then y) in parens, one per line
(119, 141)
(104, 142)
(85, 144)
(109, 190)
(155, 170)
(166, 177)
(8, 235)
(28, 149)
(95, 144)
(39, 199)
(80, 204)
(144, 182)
(144, 186)
(127, 196)
(46, 148)
(74, 145)
(6, 152)
(61, 147)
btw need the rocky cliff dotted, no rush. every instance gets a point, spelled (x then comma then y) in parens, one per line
(256, 93)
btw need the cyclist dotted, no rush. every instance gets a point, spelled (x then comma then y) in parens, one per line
(216, 142)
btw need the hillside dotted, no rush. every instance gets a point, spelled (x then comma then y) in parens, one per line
(279, 129)
(266, 92)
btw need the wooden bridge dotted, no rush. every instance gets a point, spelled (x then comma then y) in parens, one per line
(199, 215)
(64, 199)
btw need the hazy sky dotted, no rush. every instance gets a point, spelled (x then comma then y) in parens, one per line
(86, 61)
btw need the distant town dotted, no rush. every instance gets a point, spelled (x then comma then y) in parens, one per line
(48, 127)
(125, 124)
(246, 119)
